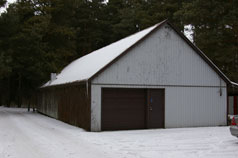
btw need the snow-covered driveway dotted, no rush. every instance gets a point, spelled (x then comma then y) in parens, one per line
(30, 135)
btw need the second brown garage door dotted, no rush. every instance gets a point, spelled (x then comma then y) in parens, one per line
(124, 108)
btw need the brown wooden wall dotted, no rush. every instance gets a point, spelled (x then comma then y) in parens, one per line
(70, 104)
(47, 102)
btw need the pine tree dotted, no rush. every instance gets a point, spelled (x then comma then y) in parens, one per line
(2, 3)
(215, 31)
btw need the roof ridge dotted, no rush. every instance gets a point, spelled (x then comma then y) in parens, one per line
(122, 46)
(89, 66)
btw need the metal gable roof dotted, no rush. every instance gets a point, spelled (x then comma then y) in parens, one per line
(89, 66)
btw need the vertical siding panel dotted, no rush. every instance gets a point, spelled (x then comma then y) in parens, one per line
(162, 59)
(96, 108)
(231, 105)
(196, 109)
(66, 103)
(184, 106)
(47, 103)
(235, 105)
(165, 61)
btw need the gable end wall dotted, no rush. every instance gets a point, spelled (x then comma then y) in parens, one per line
(165, 60)
(162, 59)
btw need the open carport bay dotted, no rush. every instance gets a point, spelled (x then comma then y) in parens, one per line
(25, 135)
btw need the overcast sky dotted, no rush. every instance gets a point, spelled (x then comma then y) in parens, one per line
(9, 1)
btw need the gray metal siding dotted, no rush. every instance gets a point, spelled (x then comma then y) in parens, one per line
(162, 59)
(95, 108)
(195, 106)
(184, 106)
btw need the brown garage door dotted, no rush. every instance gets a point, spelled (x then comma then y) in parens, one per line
(123, 109)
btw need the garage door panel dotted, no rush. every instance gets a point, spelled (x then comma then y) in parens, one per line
(123, 109)
(132, 108)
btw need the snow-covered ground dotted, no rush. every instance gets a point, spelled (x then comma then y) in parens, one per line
(30, 135)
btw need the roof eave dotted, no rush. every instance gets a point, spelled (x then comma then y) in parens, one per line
(66, 84)
(196, 49)
(234, 84)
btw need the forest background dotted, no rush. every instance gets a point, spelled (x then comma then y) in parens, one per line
(38, 37)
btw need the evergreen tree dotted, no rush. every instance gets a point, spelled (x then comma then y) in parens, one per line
(38, 37)
(8, 27)
(2, 3)
(215, 31)
(92, 28)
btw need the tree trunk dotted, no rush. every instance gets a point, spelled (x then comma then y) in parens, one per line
(29, 105)
(19, 100)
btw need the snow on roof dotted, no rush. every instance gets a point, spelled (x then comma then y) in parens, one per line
(85, 67)
(234, 84)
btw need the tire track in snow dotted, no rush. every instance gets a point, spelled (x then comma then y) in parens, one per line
(44, 137)
(19, 144)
